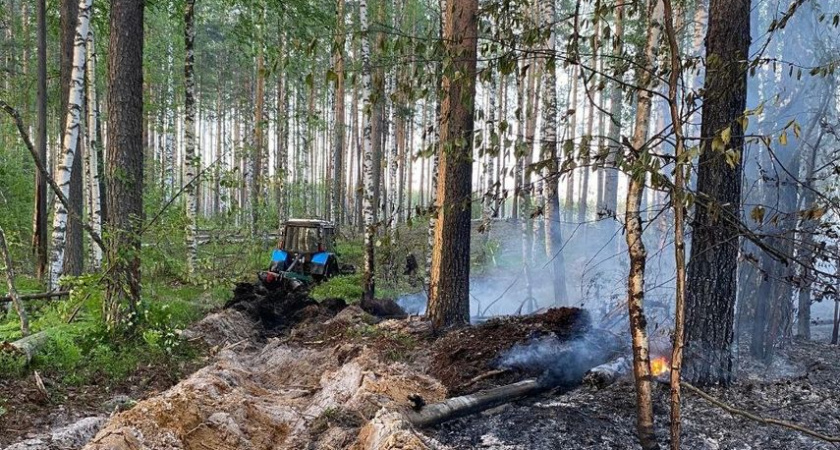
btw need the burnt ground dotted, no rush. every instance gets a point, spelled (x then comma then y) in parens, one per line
(802, 386)
(462, 357)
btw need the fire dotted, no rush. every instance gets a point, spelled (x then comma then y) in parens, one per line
(659, 366)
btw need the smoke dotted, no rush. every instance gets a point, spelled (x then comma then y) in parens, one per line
(559, 362)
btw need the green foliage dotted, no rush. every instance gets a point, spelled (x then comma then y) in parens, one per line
(348, 287)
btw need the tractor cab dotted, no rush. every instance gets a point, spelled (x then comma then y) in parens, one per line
(305, 253)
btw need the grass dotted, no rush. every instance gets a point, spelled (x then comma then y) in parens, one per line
(84, 351)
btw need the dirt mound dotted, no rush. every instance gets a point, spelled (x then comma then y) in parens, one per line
(289, 393)
(221, 328)
(464, 354)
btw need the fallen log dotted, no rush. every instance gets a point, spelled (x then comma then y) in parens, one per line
(38, 296)
(465, 405)
(607, 374)
(28, 345)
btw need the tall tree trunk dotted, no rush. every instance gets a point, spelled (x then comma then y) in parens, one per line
(94, 151)
(570, 146)
(259, 125)
(338, 150)
(711, 286)
(69, 145)
(554, 238)
(39, 235)
(72, 251)
(192, 161)
(368, 205)
(634, 237)
(125, 157)
(678, 203)
(449, 297)
(616, 107)
(587, 143)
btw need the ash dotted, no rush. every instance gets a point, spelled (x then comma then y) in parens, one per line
(803, 387)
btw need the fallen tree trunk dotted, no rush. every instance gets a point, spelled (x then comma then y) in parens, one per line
(456, 407)
(39, 296)
(607, 374)
(27, 345)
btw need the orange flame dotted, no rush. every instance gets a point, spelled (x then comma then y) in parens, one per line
(659, 366)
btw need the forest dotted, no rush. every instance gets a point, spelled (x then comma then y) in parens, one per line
(419, 224)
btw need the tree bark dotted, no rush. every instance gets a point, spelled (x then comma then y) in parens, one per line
(70, 142)
(678, 203)
(125, 157)
(449, 297)
(94, 150)
(610, 205)
(634, 236)
(711, 285)
(39, 235)
(338, 149)
(259, 124)
(554, 238)
(368, 206)
(191, 160)
(72, 248)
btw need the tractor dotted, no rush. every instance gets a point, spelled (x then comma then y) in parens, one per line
(304, 256)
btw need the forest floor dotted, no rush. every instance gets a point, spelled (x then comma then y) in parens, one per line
(288, 372)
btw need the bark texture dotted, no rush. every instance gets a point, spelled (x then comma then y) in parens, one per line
(69, 146)
(191, 162)
(711, 284)
(633, 229)
(449, 296)
(125, 157)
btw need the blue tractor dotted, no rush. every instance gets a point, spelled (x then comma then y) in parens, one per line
(305, 255)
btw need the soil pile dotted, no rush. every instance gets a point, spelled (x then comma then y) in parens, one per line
(461, 358)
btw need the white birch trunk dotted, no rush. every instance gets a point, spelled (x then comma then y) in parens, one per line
(69, 141)
(190, 160)
(92, 155)
(367, 164)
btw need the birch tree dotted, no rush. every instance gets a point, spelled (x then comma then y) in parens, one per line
(70, 141)
(368, 163)
(191, 161)
(94, 150)
(633, 231)
(554, 240)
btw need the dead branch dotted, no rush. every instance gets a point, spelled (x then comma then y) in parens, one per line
(487, 375)
(767, 421)
(42, 169)
(456, 407)
(39, 296)
(10, 282)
